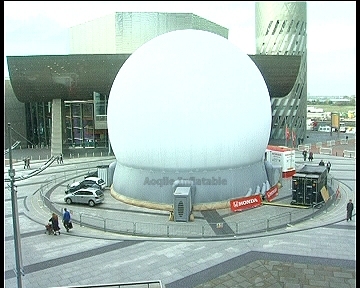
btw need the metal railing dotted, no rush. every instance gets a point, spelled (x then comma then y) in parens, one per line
(349, 154)
(182, 229)
(137, 284)
(114, 223)
(72, 155)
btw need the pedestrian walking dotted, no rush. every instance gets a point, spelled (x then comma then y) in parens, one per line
(61, 159)
(304, 153)
(28, 163)
(349, 210)
(321, 163)
(66, 219)
(328, 166)
(54, 220)
(25, 163)
(311, 156)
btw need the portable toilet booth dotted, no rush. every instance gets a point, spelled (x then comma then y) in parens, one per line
(308, 184)
(182, 204)
(103, 173)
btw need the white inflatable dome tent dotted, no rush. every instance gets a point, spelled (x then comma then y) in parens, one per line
(188, 108)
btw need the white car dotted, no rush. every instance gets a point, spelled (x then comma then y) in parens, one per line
(326, 129)
(90, 196)
(94, 182)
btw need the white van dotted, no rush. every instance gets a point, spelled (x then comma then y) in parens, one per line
(325, 129)
(342, 127)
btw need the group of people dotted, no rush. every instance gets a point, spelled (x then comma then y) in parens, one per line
(60, 159)
(54, 222)
(26, 160)
(328, 165)
(350, 205)
(311, 155)
(26, 163)
(311, 158)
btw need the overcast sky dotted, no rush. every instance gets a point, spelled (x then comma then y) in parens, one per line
(40, 28)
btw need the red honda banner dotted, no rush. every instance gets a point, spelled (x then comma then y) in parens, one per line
(245, 203)
(272, 193)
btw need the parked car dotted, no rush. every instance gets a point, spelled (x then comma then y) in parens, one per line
(91, 174)
(326, 129)
(94, 182)
(90, 196)
(351, 130)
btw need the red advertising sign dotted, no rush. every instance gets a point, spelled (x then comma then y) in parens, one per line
(272, 193)
(245, 203)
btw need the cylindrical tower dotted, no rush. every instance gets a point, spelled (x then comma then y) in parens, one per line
(281, 30)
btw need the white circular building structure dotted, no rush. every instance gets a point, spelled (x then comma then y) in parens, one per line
(188, 108)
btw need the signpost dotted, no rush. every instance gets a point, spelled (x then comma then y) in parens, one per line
(15, 215)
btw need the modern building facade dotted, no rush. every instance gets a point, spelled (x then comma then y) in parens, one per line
(124, 32)
(61, 100)
(66, 96)
(281, 30)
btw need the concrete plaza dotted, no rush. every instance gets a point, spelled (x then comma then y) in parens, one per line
(317, 252)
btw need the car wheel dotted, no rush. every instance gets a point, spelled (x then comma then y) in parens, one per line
(68, 201)
(91, 203)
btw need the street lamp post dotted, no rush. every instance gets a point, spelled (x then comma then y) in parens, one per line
(15, 215)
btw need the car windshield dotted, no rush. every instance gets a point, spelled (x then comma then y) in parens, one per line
(101, 181)
(99, 193)
(75, 184)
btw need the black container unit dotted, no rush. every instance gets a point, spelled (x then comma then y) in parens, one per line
(307, 184)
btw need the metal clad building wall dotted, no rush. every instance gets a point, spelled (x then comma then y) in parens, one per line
(281, 30)
(203, 24)
(124, 32)
(133, 29)
(94, 37)
(37, 78)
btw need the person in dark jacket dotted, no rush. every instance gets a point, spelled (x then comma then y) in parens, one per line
(328, 166)
(349, 210)
(311, 156)
(54, 220)
(321, 163)
(304, 153)
(66, 219)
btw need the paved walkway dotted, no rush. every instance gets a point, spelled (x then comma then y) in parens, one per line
(318, 252)
(312, 138)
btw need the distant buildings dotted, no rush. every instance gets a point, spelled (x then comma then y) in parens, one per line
(339, 99)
